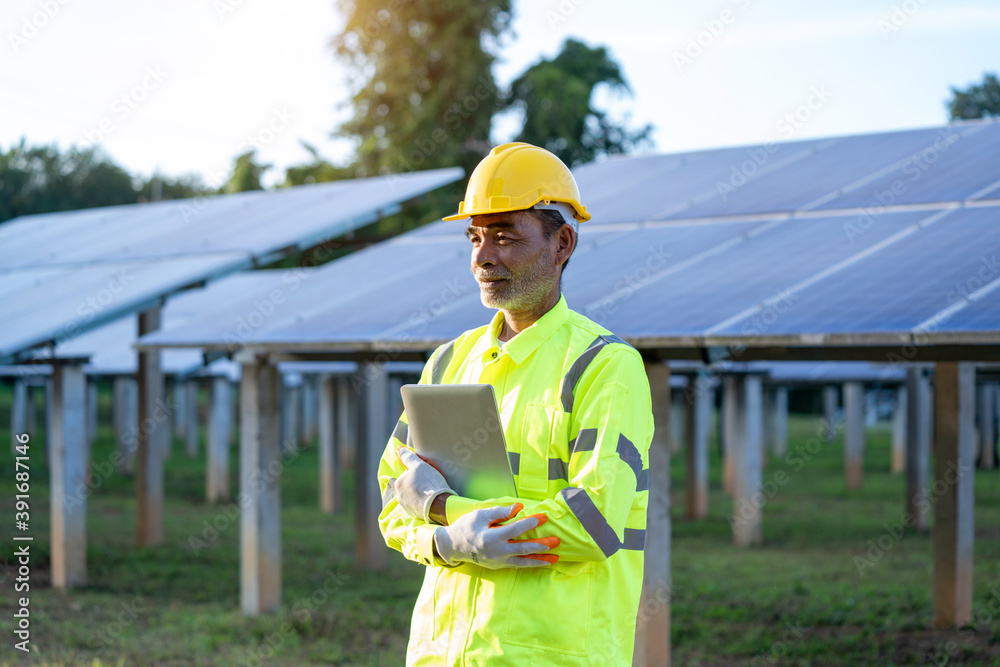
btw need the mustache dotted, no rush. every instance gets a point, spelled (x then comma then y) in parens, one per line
(485, 275)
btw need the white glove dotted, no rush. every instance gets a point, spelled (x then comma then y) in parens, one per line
(474, 539)
(419, 485)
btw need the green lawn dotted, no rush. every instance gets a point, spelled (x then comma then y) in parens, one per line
(798, 600)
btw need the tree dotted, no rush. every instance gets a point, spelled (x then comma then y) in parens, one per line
(555, 97)
(980, 101)
(160, 188)
(41, 179)
(316, 171)
(424, 93)
(246, 174)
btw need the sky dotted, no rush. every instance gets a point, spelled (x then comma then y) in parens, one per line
(186, 85)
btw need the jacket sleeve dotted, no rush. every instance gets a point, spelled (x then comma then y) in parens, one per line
(595, 515)
(411, 537)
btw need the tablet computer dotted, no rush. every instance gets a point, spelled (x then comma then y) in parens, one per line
(457, 426)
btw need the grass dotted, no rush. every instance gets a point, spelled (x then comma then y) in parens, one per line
(797, 600)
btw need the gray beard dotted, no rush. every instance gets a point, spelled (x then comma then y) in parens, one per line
(525, 291)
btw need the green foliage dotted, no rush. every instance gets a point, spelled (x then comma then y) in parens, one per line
(158, 187)
(977, 101)
(424, 94)
(316, 171)
(246, 174)
(556, 98)
(40, 179)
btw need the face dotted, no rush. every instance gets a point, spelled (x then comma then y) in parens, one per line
(515, 265)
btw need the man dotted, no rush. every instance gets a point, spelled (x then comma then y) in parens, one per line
(553, 576)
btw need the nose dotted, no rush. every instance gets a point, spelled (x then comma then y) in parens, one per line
(485, 255)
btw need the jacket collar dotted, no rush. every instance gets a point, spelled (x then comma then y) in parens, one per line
(521, 346)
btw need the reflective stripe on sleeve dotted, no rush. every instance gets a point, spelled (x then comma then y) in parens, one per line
(592, 520)
(579, 366)
(635, 539)
(630, 455)
(586, 441)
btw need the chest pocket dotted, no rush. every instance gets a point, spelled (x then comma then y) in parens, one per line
(544, 449)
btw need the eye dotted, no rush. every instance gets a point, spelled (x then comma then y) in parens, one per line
(501, 238)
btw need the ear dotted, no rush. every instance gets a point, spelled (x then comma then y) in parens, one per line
(565, 243)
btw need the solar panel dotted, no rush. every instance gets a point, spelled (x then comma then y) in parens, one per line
(55, 265)
(958, 164)
(760, 267)
(668, 189)
(820, 170)
(902, 285)
(256, 222)
(40, 305)
(110, 351)
(646, 272)
(354, 285)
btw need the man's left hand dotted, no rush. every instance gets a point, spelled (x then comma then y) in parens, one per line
(419, 485)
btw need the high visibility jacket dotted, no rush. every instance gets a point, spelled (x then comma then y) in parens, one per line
(575, 407)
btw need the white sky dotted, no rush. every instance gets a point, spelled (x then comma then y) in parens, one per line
(228, 70)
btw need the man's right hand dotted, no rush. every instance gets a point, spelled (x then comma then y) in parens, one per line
(475, 539)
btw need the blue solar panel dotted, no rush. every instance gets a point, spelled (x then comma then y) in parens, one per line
(625, 261)
(958, 164)
(902, 285)
(803, 176)
(254, 222)
(350, 287)
(983, 314)
(110, 350)
(851, 273)
(45, 304)
(762, 267)
(655, 189)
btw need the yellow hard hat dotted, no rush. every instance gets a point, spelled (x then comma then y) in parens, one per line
(517, 176)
